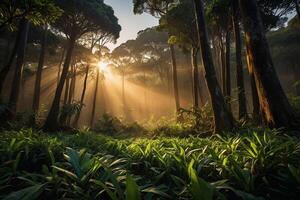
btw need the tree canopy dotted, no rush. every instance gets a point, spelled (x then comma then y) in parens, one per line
(84, 16)
(36, 11)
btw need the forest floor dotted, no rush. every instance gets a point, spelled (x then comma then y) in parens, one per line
(84, 165)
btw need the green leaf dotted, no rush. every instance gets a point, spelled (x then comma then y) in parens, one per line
(74, 159)
(200, 189)
(155, 190)
(132, 189)
(29, 193)
(109, 192)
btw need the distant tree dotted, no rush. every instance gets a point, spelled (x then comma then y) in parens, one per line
(284, 44)
(180, 22)
(223, 118)
(76, 119)
(152, 53)
(96, 42)
(122, 58)
(274, 104)
(80, 17)
(95, 96)
(159, 8)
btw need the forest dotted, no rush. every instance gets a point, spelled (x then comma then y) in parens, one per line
(203, 105)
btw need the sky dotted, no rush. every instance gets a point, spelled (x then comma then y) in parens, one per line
(131, 23)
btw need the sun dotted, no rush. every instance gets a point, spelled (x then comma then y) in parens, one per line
(102, 66)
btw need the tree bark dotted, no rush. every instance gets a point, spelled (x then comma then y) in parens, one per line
(223, 67)
(51, 123)
(71, 91)
(38, 79)
(60, 63)
(75, 123)
(239, 64)
(72, 84)
(223, 118)
(15, 90)
(200, 89)
(255, 100)
(67, 89)
(195, 76)
(4, 71)
(6, 54)
(274, 104)
(95, 100)
(228, 68)
(175, 80)
(296, 71)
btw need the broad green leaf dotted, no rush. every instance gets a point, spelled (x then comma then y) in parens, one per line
(200, 189)
(132, 189)
(29, 193)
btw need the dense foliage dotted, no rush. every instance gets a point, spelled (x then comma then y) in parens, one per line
(85, 165)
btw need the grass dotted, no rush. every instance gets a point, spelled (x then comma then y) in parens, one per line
(248, 165)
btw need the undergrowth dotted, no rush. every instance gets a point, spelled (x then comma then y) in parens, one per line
(248, 165)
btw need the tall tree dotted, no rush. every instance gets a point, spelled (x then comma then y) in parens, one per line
(223, 118)
(12, 11)
(239, 64)
(75, 123)
(95, 97)
(227, 92)
(219, 20)
(274, 104)
(38, 79)
(5, 69)
(122, 58)
(14, 94)
(79, 17)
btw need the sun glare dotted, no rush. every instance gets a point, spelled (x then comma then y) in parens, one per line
(102, 66)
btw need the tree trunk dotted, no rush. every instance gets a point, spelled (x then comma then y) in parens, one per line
(175, 80)
(75, 123)
(51, 123)
(38, 79)
(6, 54)
(60, 63)
(72, 84)
(255, 100)
(4, 71)
(95, 99)
(239, 64)
(274, 104)
(297, 8)
(296, 71)
(145, 94)
(200, 88)
(195, 76)
(67, 89)
(223, 118)
(228, 69)
(223, 67)
(15, 90)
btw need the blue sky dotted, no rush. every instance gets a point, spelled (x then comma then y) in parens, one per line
(130, 23)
